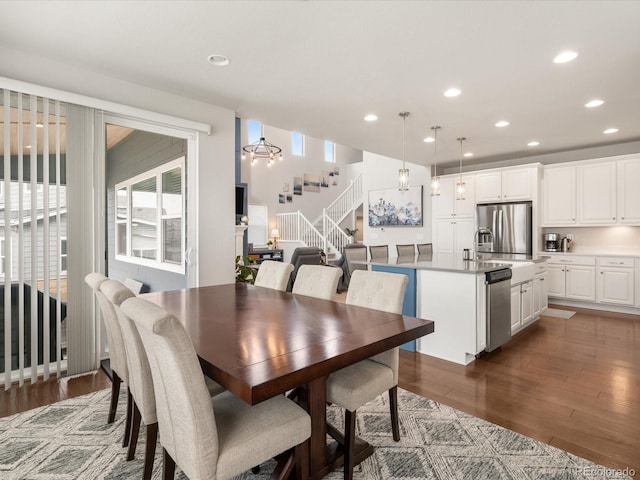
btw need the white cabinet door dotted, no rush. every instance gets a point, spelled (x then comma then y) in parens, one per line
(466, 207)
(516, 184)
(597, 193)
(515, 309)
(489, 187)
(443, 205)
(556, 280)
(444, 236)
(580, 282)
(464, 232)
(559, 197)
(526, 302)
(615, 285)
(637, 282)
(629, 191)
(540, 301)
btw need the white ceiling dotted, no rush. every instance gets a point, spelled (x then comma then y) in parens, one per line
(318, 67)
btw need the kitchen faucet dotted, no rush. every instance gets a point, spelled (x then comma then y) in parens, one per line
(476, 238)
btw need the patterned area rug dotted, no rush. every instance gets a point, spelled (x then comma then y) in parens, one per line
(71, 440)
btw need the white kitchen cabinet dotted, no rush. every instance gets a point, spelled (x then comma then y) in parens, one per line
(505, 185)
(597, 193)
(637, 282)
(572, 277)
(629, 191)
(526, 303)
(540, 295)
(446, 205)
(451, 237)
(516, 319)
(615, 281)
(559, 196)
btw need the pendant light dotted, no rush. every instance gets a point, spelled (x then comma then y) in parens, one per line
(460, 186)
(403, 173)
(435, 180)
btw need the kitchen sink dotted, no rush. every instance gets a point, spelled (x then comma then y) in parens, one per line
(520, 271)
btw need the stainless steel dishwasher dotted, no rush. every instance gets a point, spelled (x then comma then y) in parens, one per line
(498, 308)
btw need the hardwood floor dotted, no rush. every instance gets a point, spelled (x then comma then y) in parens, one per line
(574, 384)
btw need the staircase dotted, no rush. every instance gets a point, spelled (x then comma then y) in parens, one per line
(325, 231)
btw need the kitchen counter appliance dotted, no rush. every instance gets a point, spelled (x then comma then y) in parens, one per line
(551, 242)
(498, 308)
(508, 225)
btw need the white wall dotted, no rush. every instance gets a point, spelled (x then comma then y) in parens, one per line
(380, 173)
(216, 172)
(265, 183)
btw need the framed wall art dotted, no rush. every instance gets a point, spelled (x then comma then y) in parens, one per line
(395, 208)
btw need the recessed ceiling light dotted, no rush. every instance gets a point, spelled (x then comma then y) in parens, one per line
(610, 130)
(452, 92)
(371, 117)
(502, 123)
(429, 140)
(27, 146)
(533, 143)
(564, 57)
(218, 60)
(468, 154)
(593, 103)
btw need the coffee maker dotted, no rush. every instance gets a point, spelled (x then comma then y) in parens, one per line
(551, 242)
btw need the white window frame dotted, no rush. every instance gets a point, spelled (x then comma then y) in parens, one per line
(333, 151)
(302, 144)
(158, 262)
(3, 248)
(63, 255)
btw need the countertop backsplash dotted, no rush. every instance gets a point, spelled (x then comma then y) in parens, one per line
(613, 240)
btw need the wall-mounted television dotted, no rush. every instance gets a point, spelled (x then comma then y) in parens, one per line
(242, 198)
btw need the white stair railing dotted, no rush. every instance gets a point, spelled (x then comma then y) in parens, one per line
(346, 202)
(295, 226)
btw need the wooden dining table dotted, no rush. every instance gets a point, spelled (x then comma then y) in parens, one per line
(258, 343)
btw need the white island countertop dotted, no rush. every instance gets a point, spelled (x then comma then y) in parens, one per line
(441, 263)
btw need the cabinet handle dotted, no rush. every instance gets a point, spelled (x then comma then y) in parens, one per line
(542, 279)
(622, 218)
(614, 218)
(616, 263)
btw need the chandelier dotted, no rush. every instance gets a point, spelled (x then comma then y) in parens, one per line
(262, 149)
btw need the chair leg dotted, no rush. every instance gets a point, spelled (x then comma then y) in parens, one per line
(135, 428)
(302, 461)
(127, 420)
(168, 466)
(115, 393)
(150, 450)
(349, 443)
(393, 406)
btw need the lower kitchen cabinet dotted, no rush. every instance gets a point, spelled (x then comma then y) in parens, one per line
(615, 285)
(516, 322)
(521, 306)
(540, 294)
(576, 282)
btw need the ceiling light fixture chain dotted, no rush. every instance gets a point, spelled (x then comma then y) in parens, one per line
(460, 186)
(262, 149)
(435, 180)
(403, 173)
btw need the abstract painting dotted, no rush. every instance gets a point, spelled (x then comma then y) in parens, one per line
(395, 208)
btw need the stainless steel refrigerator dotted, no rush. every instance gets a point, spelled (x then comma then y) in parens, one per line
(504, 228)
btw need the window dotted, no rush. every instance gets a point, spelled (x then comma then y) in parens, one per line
(63, 255)
(297, 144)
(254, 131)
(3, 257)
(329, 151)
(149, 218)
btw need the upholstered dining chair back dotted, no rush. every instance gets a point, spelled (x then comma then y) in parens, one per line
(319, 281)
(275, 275)
(425, 248)
(355, 253)
(140, 380)
(185, 417)
(406, 250)
(117, 352)
(379, 252)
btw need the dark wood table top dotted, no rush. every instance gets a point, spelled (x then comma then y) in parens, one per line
(258, 342)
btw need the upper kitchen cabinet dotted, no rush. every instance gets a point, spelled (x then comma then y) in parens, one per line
(597, 193)
(506, 185)
(446, 205)
(629, 191)
(559, 195)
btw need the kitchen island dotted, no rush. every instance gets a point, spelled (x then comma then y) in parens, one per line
(452, 293)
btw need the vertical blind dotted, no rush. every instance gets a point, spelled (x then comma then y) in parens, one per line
(32, 228)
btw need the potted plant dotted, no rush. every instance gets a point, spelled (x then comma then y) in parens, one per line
(351, 232)
(244, 274)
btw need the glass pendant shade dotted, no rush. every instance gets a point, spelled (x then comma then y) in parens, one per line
(403, 173)
(460, 186)
(435, 180)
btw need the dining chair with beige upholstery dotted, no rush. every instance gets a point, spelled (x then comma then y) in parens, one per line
(140, 379)
(357, 384)
(209, 438)
(379, 252)
(272, 274)
(319, 281)
(425, 248)
(406, 250)
(117, 352)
